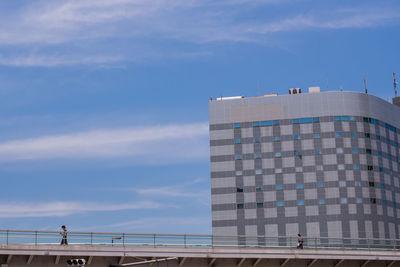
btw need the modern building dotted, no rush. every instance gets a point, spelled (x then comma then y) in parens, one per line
(323, 164)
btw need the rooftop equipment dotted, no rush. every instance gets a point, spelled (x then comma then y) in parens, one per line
(294, 91)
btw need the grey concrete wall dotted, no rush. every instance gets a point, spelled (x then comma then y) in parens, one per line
(358, 202)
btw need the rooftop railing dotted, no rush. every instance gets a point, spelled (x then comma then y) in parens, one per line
(38, 238)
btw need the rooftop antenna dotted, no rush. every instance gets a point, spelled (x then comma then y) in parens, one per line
(395, 84)
(326, 83)
(365, 85)
(258, 88)
(341, 88)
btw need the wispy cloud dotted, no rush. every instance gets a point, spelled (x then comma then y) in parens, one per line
(20, 210)
(58, 60)
(152, 144)
(158, 224)
(193, 20)
(88, 25)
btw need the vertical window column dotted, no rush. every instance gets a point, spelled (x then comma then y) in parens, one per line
(238, 149)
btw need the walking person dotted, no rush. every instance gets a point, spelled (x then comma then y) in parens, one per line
(299, 242)
(63, 233)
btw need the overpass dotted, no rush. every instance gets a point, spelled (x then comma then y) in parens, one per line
(42, 248)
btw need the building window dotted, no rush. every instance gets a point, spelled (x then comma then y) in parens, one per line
(260, 205)
(317, 135)
(259, 188)
(258, 171)
(257, 156)
(316, 119)
(342, 183)
(389, 156)
(367, 135)
(299, 186)
(384, 202)
(356, 167)
(300, 203)
(280, 204)
(339, 150)
(382, 185)
(396, 144)
(278, 170)
(299, 169)
(256, 124)
(279, 187)
(237, 141)
(277, 138)
(371, 184)
(266, 123)
(354, 150)
(336, 118)
(297, 153)
(239, 189)
(320, 184)
(236, 125)
(359, 200)
(353, 134)
(352, 118)
(394, 205)
(378, 137)
(380, 169)
(370, 167)
(238, 157)
(297, 137)
(388, 141)
(372, 200)
(390, 127)
(318, 152)
(341, 167)
(278, 154)
(276, 122)
(338, 134)
(240, 206)
(379, 153)
(357, 183)
(368, 151)
(321, 201)
(257, 140)
(343, 200)
(239, 173)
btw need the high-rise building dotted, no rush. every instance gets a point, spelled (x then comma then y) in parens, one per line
(323, 164)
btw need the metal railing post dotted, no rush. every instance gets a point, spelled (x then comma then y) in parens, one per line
(36, 233)
(91, 238)
(123, 239)
(7, 237)
(184, 240)
(154, 240)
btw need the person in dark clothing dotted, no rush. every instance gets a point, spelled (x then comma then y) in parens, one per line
(63, 233)
(299, 242)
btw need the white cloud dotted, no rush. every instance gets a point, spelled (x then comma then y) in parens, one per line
(52, 61)
(85, 27)
(154, 144)
(158, 224)
(21, 210)
(190, 20)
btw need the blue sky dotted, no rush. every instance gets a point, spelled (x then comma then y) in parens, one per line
(104, 104)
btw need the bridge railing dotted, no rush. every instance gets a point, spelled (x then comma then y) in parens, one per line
(37, 238)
